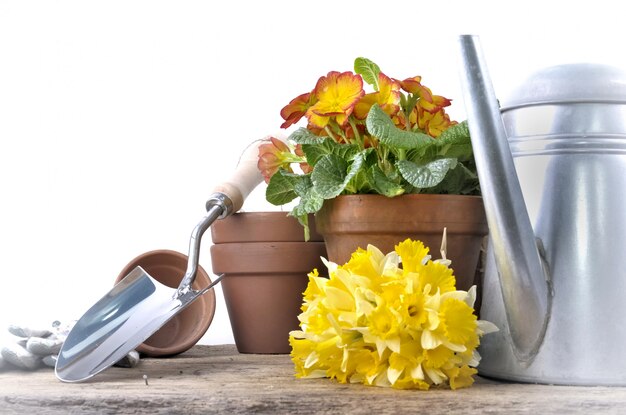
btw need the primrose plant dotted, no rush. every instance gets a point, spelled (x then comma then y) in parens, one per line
(395, 139)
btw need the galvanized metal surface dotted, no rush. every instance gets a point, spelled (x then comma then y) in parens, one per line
(569, 153)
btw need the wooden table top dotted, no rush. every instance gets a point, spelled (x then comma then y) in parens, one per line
(217, 379)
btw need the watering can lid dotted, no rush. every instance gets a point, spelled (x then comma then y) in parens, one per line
(570, 83)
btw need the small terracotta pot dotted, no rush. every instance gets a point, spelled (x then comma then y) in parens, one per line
(352, 221)
(187, 327)
(264, 279)
(262, 227)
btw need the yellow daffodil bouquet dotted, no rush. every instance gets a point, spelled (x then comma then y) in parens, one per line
(389, 320)
(395, 139)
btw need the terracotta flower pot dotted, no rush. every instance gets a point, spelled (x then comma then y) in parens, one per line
(186, 328)
(352, 221)
(262, 227)
(265, 277)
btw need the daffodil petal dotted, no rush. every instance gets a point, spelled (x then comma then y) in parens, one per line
(471, 296)
(436, 375)
(417, 372)
(393, 374)
(311, 360)
(458, 295)
(454, 347)
(486, 327)
(429, 340)
(394, 344)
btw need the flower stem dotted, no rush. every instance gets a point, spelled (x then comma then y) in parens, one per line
(357, 135)
(293, 158)
(407, 122)
(331, 134)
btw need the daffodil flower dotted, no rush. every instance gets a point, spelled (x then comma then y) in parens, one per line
(392, 320)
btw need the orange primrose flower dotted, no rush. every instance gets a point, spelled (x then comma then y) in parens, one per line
(272, 156)
(387, 97)
(296, 109)
(305, 167)
(434, 105)
(336, 93)
(414, 86)
(433, 123)
(428, 101)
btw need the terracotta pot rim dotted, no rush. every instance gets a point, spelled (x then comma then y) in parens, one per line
(207, 301)
(417, 212)
(267, 257)
(277, 213)
(272, 244)
(267, 226)
(408, 195)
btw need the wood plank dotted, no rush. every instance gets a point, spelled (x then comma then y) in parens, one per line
(218, 380)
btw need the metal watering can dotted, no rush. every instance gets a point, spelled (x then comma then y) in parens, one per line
(555, 197)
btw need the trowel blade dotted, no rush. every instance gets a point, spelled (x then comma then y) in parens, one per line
(132, 311)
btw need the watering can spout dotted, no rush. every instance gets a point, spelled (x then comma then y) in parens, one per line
(524, 277)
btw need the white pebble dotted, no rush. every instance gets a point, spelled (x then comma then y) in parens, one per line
(130, 360)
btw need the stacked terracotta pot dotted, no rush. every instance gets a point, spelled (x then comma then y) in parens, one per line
(265, 261)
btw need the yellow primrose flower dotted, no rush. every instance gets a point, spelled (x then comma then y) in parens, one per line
(387, 97)
(337, 94)
(393, 320)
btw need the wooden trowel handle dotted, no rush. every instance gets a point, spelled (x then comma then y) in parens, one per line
(244, 179)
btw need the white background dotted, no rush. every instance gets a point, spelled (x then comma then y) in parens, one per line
(118, 117)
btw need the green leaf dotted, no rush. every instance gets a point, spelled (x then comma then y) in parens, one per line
(329, 174)
(304, 136)
(358, 161)
(284, 187)
(304, 221)
(281, 188)
(360, 183)
(380, 125)
(382, 184)
(456, 142)
(368, 70)
(311, 202)
(332, 173)
(459, 181)
(426, 175)
(314, 152)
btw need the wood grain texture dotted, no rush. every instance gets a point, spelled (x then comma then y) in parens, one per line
(218, 380)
